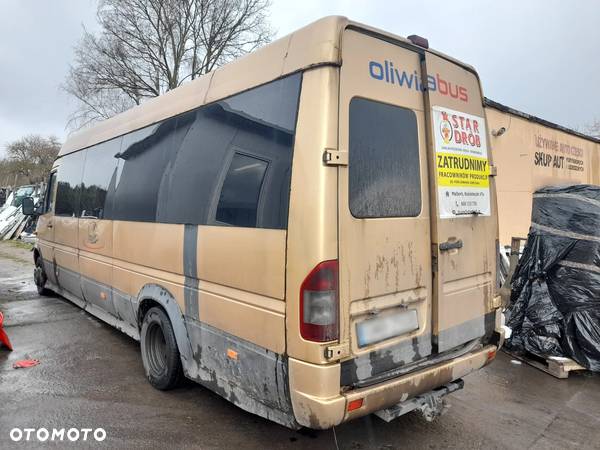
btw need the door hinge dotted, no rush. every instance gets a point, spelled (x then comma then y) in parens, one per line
(337, 351)
(493, 171)
(333, 157)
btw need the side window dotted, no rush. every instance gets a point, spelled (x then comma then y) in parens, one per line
(239, 200)
(99, 176)
(68, 190)
(384, 169)
(200, 184)
(177, 171)
(143, 169)
(50, 196)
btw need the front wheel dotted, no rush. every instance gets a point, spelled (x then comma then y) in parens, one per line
(40, 278)
(160, 354)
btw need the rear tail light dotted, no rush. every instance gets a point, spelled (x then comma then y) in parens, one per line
(319, 310)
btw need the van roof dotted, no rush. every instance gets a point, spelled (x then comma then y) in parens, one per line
(317, 44)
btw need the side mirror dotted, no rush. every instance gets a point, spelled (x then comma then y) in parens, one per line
(28, 207)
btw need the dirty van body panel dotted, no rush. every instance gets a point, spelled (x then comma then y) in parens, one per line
(66, 261)
(45, 230)
(95, 263)
(384, 223)
(205, 238)
(227, 259)
(250, 376)
(405, 245)
(463, 208)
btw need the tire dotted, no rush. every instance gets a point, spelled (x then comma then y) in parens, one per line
(40, 278)
(160, 354)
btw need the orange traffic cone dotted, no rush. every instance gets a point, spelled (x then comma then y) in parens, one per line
(3, 337)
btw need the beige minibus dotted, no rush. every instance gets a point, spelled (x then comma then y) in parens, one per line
(310, 231)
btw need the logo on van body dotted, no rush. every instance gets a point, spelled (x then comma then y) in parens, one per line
(389, 74)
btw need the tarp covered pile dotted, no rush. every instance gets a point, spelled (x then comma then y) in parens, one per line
(555, 298)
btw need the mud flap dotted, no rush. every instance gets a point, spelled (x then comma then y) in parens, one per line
(431, 404)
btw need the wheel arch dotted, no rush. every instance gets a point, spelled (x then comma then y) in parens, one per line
(155, 295)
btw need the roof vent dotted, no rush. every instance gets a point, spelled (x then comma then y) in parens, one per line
(418, 40)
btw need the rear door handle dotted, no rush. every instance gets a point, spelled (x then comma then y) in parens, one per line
(451, 245)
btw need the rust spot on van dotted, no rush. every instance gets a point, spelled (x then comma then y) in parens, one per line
(411, 257)
(367, 281)
(430, 380)
(419, 276)
(380, 261)
(395, 264)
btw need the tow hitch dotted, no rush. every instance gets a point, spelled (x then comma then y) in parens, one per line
(431, 404)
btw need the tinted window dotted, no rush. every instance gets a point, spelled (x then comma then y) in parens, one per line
(49, 197)
(99, 175)
(259, 123)
(191, 177)
(143, 170)
(179, 170)
(68, 190)
(383, 160)
(239, 200)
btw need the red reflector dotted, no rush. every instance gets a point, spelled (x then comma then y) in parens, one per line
(319, 309)
(355, 404)
(491, 355)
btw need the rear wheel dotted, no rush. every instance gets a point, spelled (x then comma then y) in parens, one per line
(40, 278)
(160, 354)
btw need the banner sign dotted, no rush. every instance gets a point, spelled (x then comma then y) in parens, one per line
(462, 166)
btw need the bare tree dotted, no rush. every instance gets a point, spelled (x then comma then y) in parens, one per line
(29, 159)
(147, 47)
(592, 129)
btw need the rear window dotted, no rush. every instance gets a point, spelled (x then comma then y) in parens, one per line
(384, 167)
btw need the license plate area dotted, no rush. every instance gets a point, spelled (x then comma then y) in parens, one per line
(386, 326)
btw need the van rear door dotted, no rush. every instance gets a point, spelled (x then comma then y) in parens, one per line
(416, 235)
(384, 223)
(464, 219)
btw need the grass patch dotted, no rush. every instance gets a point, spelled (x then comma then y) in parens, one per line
(20, 244)
(8, 251)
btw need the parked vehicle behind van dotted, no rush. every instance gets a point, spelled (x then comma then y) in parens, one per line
(309, 231)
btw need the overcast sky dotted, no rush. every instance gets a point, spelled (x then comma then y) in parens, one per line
(539, 56)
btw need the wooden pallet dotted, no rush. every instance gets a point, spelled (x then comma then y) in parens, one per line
(556, 366)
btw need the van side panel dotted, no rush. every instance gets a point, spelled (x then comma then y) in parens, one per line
(45, 231)
(205, 238)
(95, 263)
(312, 225)
(66, 232)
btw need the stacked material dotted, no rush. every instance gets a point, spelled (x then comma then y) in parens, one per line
(555, 299)
(12, 219)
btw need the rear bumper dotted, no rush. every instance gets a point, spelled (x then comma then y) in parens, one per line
(400, 389)
(317, 402)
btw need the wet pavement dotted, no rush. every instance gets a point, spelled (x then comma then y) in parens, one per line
(91, 376)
